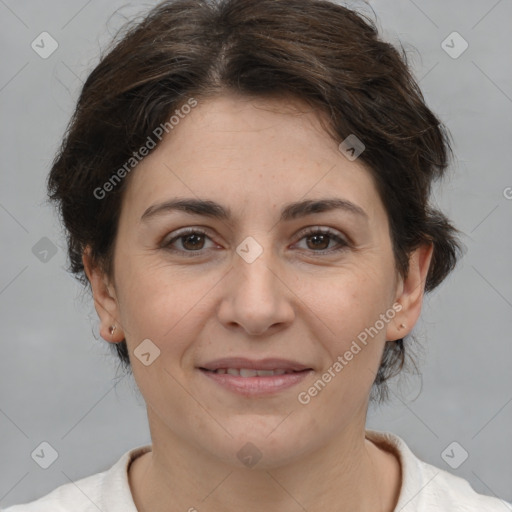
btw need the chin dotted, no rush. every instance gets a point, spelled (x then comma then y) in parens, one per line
(258, 445)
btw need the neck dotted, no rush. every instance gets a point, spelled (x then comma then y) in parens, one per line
(347, 474)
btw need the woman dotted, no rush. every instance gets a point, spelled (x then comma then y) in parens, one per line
(246, 190)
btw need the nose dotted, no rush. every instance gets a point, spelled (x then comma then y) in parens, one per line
(256, 297)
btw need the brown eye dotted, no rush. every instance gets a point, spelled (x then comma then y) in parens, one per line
(192, 242)
(320, 241)
(187, 241)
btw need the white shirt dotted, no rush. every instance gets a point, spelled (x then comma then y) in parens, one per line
(425, 488)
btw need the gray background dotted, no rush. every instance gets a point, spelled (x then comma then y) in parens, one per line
(58, 382)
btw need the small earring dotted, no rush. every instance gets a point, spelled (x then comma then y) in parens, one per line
(402, 326)
(112, 329)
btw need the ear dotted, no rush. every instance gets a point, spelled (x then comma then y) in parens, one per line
(410, 292)
(105, 301)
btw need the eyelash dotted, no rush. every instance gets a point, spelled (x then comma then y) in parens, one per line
(309, 232)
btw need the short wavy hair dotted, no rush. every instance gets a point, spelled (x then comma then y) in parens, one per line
(327, 55)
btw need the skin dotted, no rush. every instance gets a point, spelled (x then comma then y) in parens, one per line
(291, 302)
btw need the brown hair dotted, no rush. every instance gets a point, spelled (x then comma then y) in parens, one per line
(315, 50)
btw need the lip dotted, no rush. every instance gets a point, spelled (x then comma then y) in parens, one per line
(256, 386)
(260, 385)
(262, 364)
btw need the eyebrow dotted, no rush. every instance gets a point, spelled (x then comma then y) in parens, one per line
(216, 211)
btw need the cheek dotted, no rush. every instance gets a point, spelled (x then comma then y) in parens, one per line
(351, 332)
(349, 300)
(160, 302)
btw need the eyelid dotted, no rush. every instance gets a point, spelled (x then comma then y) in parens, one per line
(169, 238)
(184, 231)
(341, 239)
(324, 230)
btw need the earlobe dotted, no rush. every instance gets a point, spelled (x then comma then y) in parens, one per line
(410, 293)
(105, 301)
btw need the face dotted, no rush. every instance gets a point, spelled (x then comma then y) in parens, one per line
(270, 284)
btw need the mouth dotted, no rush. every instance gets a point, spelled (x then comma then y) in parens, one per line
(249, 372)
(255, 378)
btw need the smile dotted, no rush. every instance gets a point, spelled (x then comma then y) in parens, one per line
(251, 382)
(250, 372)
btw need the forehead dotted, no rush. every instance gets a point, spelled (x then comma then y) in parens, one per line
(254, 151)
